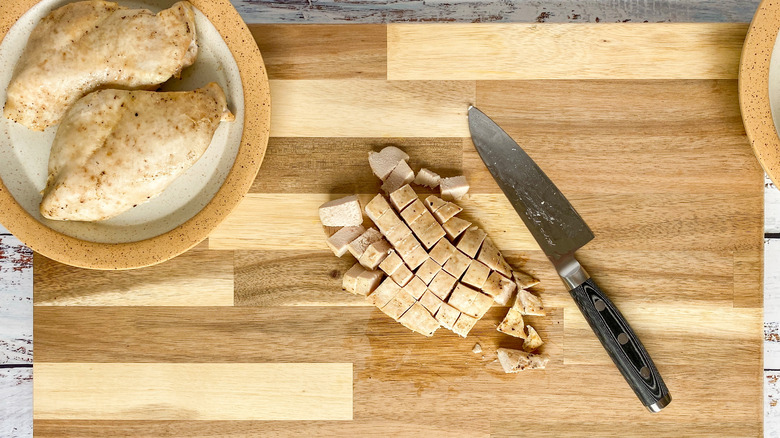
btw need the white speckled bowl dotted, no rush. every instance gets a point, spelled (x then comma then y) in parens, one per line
(195, 203)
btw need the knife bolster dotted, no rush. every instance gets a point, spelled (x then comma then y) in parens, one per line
(570, 270)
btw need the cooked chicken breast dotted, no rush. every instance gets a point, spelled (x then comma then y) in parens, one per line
(89, 45)
(116, 149)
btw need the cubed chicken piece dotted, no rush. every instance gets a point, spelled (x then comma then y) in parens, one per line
(529, 304)
(442, 284)
(428, 270)
(402, 275)
(469, 301)
(417, 319)
(367, 282)
(463, 325)
(377, 207)
(499, 287)
(413, 211)
(432, 235)
(343, 212)
(422, 222)
(455, 226)
(447, 316)
(391, 263)
(447, 212)
(513, 324)
(431, 302)
(476, 349)
(400, 176)
(471, 241)
(427, 178)
(524, 280)
(398, 233)
(403, 197)
(383, 162)
(453, 188)
(416, 287)
(400, 303)
(434, 203)
(491, 256)
(417, 257)
(349, 282)
(457, 264)
(375, 254)
(387, 221)
(532, 340)
(514, 361)
(330, 231)
(476, 274)
(442, 251)
(383, 293)
(339, 242)
(411, 252)
(358, 246)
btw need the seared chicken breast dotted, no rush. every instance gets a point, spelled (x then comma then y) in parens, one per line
(89, 45)
(116, 149)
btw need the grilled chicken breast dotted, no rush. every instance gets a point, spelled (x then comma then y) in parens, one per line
(116, 149)
(89, 45)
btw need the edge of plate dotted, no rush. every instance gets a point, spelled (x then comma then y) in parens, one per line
(251, 151)
(754, 87)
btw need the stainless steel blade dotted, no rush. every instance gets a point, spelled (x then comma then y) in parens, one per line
(549, 216)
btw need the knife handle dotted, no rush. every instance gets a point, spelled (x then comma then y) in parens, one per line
(622, 344)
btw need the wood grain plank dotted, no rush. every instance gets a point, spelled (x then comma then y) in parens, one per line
(694, 222)
(482, 11)
(568, 51)
(162, 391)
(670, 334)
(368, 108)
(196, 278)
(322, 51)
(340, 165)
(16, 402)
(16, 302)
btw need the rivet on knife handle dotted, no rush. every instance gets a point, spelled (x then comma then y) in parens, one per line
(622, 344)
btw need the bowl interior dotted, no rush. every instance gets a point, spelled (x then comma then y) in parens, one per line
(24, 153)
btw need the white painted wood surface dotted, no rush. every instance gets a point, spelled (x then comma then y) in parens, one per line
(16, 416)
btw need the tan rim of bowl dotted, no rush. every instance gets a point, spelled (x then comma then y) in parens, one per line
(754, 87)
(257, 119)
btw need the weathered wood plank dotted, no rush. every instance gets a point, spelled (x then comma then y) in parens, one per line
(483, 11)
(771, 207)
(16, 302)
(322, 51)
(16, 402)
(564, 51)
(208, 391)
(370, 108)
(198, 277)
(772, 304)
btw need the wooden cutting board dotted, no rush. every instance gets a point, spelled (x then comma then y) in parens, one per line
(638, 124)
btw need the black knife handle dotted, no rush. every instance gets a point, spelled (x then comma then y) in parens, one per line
(622, 344)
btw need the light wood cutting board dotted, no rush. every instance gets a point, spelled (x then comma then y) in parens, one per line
(638, 124)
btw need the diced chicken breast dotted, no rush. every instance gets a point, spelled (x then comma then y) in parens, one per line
(453, 188)
(514, 361)
(491, 256)
(442, 284)
(398, 233)
(419, 320)
(387, 221)
(442, 251)
(476, 349)
(499, 287)
(476, 274)
(344, 212)
(400, 176)
(532, 340)
(383, 162)
(427, 230)
(400, 303)
(375, 254)
(367, 281)
(469, 301)
(513, 324)
(434, 203)
(402, 275)
(505, 295)
(447, 212)
(428, 270)
(447, 315)
(358, 246)
(391, 263)
(457, 264)
(377, 207)
(529, 304)
(403, 197)
(383, 293)
(455, 226)
(524, 280)
(471, 241)
(411, 252)
(413, 211)
(431, 302)
(349, 282)
(338, 243)
(427, 178)
(463, 325)
(416, 287)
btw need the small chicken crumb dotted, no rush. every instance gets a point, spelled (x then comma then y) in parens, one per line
(477, 349)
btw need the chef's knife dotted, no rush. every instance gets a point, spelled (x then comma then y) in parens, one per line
(560, 231)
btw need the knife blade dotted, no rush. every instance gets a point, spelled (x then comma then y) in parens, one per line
(560, 231)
